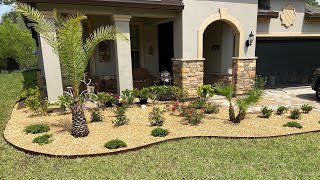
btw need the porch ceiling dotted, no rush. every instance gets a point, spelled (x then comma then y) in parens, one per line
(150, 4)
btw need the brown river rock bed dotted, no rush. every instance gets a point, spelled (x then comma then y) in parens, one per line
(137, 132)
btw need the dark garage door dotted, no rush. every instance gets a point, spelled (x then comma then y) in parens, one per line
(287, 62)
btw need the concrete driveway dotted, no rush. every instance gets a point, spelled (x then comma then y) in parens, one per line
(292, 97)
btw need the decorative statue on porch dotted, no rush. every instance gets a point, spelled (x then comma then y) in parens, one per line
(64, 34)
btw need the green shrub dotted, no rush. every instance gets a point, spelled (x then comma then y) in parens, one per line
(37, 128)
(105, 98)
(211, 108)
(281, 110)
(43, 139)
(143, 94)
(306, 108)
(115, 144)
(266, 112)
(260, 82)
(205, 91)
(96, 116)
(159, 132)
(179, 93)
(195, 117)
(121, 118)
(293, 124)
(64, 102)
(197, 104)
(155, 117)
(128, 96)
(161, 92)
(33, 100)
(295, 114)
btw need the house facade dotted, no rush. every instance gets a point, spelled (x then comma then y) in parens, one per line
(197, 41)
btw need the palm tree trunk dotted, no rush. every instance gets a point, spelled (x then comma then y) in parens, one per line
(79, 122)
(231, 113)
(242, 114)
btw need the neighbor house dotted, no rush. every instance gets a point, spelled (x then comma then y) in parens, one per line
(197, 41)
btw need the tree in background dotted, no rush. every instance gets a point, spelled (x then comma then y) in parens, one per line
(313, 3)
(7, 2)
(16, 43)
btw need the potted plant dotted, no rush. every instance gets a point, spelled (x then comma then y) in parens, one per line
(105, 99)
(144, 95)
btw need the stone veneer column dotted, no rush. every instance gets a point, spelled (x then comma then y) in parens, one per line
(244, 73)
(123, 53)
(188, 74)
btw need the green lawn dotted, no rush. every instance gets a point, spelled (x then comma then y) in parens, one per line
(295, 157)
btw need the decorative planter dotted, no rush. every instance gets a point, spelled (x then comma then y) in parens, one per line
(143, 101)
(108, 104)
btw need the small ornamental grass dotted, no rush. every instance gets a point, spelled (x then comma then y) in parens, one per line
(96, 116)
(37, 128)
(293, 124)
(155, 117)
(159, 132)
(281, 110)
(43, 139)
(295, 113)
(121, 118)
(211, 108)
(115, 144)
(306, 108)
(266, 112)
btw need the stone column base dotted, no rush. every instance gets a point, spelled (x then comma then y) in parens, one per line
(244, 73)
(188, 74)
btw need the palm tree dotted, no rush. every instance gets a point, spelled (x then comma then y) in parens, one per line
(227, 91)
(65, 35)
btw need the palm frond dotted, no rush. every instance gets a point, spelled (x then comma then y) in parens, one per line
(225, 90)
(45, 28)
(59, 20)
(102, 34)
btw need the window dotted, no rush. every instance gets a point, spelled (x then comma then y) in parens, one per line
(264, 4)
(135, 45)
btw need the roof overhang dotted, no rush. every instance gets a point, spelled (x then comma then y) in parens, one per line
(147, 4)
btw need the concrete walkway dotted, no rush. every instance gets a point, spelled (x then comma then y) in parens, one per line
(292, 97)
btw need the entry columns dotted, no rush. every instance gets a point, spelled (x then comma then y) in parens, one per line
(123, 54)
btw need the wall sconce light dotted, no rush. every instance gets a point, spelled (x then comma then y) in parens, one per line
(250, 40)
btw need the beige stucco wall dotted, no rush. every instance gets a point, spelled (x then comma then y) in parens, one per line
(300, 24)
(196, 12)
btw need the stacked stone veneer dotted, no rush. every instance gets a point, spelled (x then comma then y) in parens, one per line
(188, 74)
(244, 73)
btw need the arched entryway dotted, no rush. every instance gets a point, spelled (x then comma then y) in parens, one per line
(218, 50)
(220, 40)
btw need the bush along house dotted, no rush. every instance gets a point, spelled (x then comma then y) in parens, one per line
(197, 41)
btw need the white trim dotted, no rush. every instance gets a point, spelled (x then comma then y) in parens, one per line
(188, 59)
(288, 34)
(244, 58)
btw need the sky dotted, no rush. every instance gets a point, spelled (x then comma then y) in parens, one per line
(5, 8)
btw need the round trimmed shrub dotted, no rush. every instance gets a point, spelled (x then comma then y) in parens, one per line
(293, 124)
(115, 144)
(44, 139)
(159, 132)
(37, 128)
